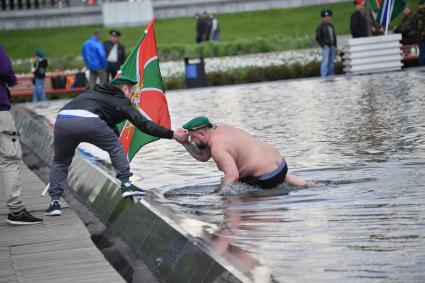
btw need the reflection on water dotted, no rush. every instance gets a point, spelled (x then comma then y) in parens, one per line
(362, 138)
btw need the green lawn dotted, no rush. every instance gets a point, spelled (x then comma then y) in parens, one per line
(293, 22)
(67, 41)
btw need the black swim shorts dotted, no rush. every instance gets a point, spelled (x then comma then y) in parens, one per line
(269, 180)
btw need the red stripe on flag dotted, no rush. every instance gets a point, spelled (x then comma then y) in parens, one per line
(147, 49)
(150, 99)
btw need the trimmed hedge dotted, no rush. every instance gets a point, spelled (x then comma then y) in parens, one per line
(237, 47)
(63, 63)
(241, 76)
(179, 52)
(256, 74)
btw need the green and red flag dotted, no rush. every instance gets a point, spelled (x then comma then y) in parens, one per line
(149, 94)
(374, 4)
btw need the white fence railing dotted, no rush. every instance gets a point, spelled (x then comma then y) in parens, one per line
(373, 54)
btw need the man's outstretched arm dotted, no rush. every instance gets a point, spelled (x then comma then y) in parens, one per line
(297, 181)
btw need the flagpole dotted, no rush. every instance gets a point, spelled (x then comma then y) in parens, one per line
(388, 16)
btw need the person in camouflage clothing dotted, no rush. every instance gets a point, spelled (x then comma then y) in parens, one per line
(419, 24)
(406, 28)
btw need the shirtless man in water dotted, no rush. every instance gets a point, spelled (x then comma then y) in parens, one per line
(240, 156)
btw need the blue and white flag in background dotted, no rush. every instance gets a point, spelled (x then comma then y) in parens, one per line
(389, 9)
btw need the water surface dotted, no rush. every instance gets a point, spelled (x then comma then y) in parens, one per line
(362, 138)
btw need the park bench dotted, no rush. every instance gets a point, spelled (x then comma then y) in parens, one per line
(24, 87)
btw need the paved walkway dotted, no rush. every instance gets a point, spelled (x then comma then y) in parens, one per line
(59, 250)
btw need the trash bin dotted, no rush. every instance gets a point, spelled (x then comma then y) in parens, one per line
(195, 72)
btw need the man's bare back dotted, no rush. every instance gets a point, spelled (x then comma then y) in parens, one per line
(252, 156)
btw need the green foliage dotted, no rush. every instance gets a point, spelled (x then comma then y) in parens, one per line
(237, 47)
(178, 52)
(238, 30)
(239, 76)
(242, 33)
(257, 74)
(62, 63)
(175, 83)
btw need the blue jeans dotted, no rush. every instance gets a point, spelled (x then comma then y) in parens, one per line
(38, 91)
(328, 59)
(422, 53)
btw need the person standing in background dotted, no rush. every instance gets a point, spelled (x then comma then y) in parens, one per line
(115, 54)
(375, 27)
(10, 150)
(358, 23)
(419, 25)
(207, 23)
(326, 37)
(199, 28)
(215, 29)
(39, 70)
(95, 58)
(406, 28)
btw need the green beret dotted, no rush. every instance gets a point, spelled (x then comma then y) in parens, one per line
(40, 53)
(123, 80)
(197, 123)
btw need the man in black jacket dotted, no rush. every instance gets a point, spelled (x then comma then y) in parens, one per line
(39, 70)
(358, 24)
(326, 37)
(91, 117)
(115, 54)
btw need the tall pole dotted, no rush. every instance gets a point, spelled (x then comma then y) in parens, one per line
(389, 2)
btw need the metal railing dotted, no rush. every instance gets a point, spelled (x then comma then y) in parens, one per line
(18, 5)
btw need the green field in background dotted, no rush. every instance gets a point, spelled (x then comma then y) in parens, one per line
(291, 23)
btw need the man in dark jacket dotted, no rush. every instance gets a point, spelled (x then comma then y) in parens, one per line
(115, 54)
(358, 25)
(200, 28)
(207, 26)
(91, 117)
(326, 37)
(39, 71)
(406, 28)
(10, 150)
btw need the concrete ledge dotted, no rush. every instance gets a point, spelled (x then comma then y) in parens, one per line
(49, 18)
(150, 236)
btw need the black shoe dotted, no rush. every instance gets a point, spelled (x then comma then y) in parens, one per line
(22, 217)
(54, 209)
(130, 190)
